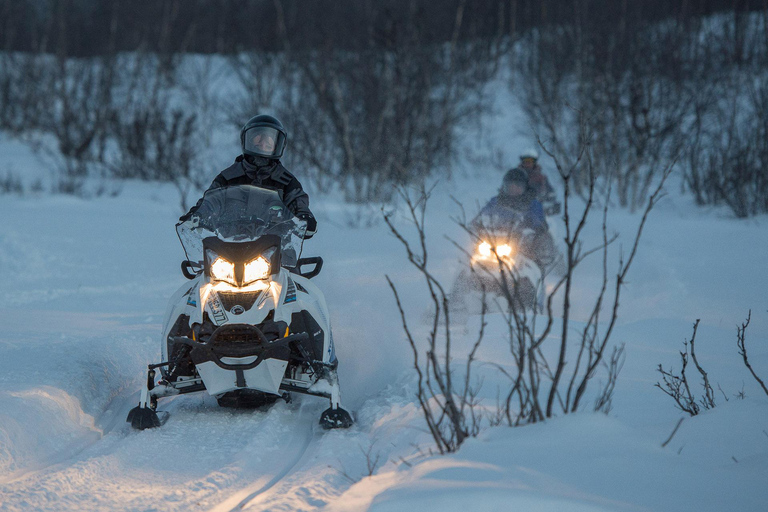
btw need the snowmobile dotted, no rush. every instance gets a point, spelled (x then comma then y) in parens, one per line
(251, 327)
(501, 263)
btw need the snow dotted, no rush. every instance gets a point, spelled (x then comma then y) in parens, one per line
(85, 285)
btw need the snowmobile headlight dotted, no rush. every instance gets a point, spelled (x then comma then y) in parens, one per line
(223, 270)
(484, 249)
(504, 250)
(256, 269)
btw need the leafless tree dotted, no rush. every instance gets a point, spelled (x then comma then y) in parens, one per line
(385, 112)
(654, 90)
(264, 79)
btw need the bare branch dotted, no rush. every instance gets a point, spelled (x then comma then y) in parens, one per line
(741, 333)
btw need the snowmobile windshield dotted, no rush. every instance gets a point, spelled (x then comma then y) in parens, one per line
(242, 213)
(499, 220)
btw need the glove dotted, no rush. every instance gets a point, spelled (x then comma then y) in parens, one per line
(311, 224)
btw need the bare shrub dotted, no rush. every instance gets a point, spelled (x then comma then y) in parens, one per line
(741, 334)
(728, 161)
(385, 113)
(679, 389)
(155, 138)
(10, 183)
(24, 102)
(263, 79)
(82, 89)
(449, 407)
(655, 89)
(620, 78)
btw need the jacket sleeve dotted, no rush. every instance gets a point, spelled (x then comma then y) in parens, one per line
(535, 218)
(297, 201)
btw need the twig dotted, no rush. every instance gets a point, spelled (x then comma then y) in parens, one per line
(741, 344)
(674, 431)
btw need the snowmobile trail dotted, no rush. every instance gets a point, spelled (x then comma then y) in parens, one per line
(302, 441)
(241, 455)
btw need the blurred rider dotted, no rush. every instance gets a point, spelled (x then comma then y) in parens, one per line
(263, 140)
(517, 210)
(537, 181)
(516, 202)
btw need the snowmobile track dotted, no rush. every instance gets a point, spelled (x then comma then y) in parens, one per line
(286, 471)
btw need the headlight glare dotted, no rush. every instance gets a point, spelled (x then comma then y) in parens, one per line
(484, 249)
(256, 269)
(504, 250)
(223, 270)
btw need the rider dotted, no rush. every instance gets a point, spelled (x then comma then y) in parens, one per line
(263, 140)
(536, 178)
(518, 206)
(516, 198)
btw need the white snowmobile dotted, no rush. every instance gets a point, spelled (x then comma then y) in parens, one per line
(251, 327)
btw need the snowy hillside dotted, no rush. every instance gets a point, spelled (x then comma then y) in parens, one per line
(85, 284)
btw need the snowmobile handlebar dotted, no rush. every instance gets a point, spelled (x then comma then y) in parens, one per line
(316, 260)
(190, 269)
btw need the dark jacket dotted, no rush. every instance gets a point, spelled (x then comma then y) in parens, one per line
(510, 209)
(269, 174)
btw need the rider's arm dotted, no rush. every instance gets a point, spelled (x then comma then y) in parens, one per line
(534, 217)
(298, 202)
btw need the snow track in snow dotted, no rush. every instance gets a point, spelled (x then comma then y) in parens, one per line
(204, 458)
(258, 491)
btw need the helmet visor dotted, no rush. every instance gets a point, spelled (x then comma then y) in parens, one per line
(264, 141)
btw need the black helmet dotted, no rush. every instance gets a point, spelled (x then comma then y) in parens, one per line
(514, 176)
(263, 136)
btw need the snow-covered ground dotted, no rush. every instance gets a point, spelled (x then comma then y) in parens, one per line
(85, 284)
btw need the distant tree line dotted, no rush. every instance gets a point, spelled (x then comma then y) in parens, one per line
(82, 28)
(376, 92)
(688, 89)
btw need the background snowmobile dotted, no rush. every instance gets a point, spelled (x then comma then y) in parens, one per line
(250, 327)
(499, 263)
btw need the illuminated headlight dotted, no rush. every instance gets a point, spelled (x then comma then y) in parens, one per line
(223, 270)
(504, 250)
(484, 249)
(256, 269)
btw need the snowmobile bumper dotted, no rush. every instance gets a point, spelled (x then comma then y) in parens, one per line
(226, 363)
